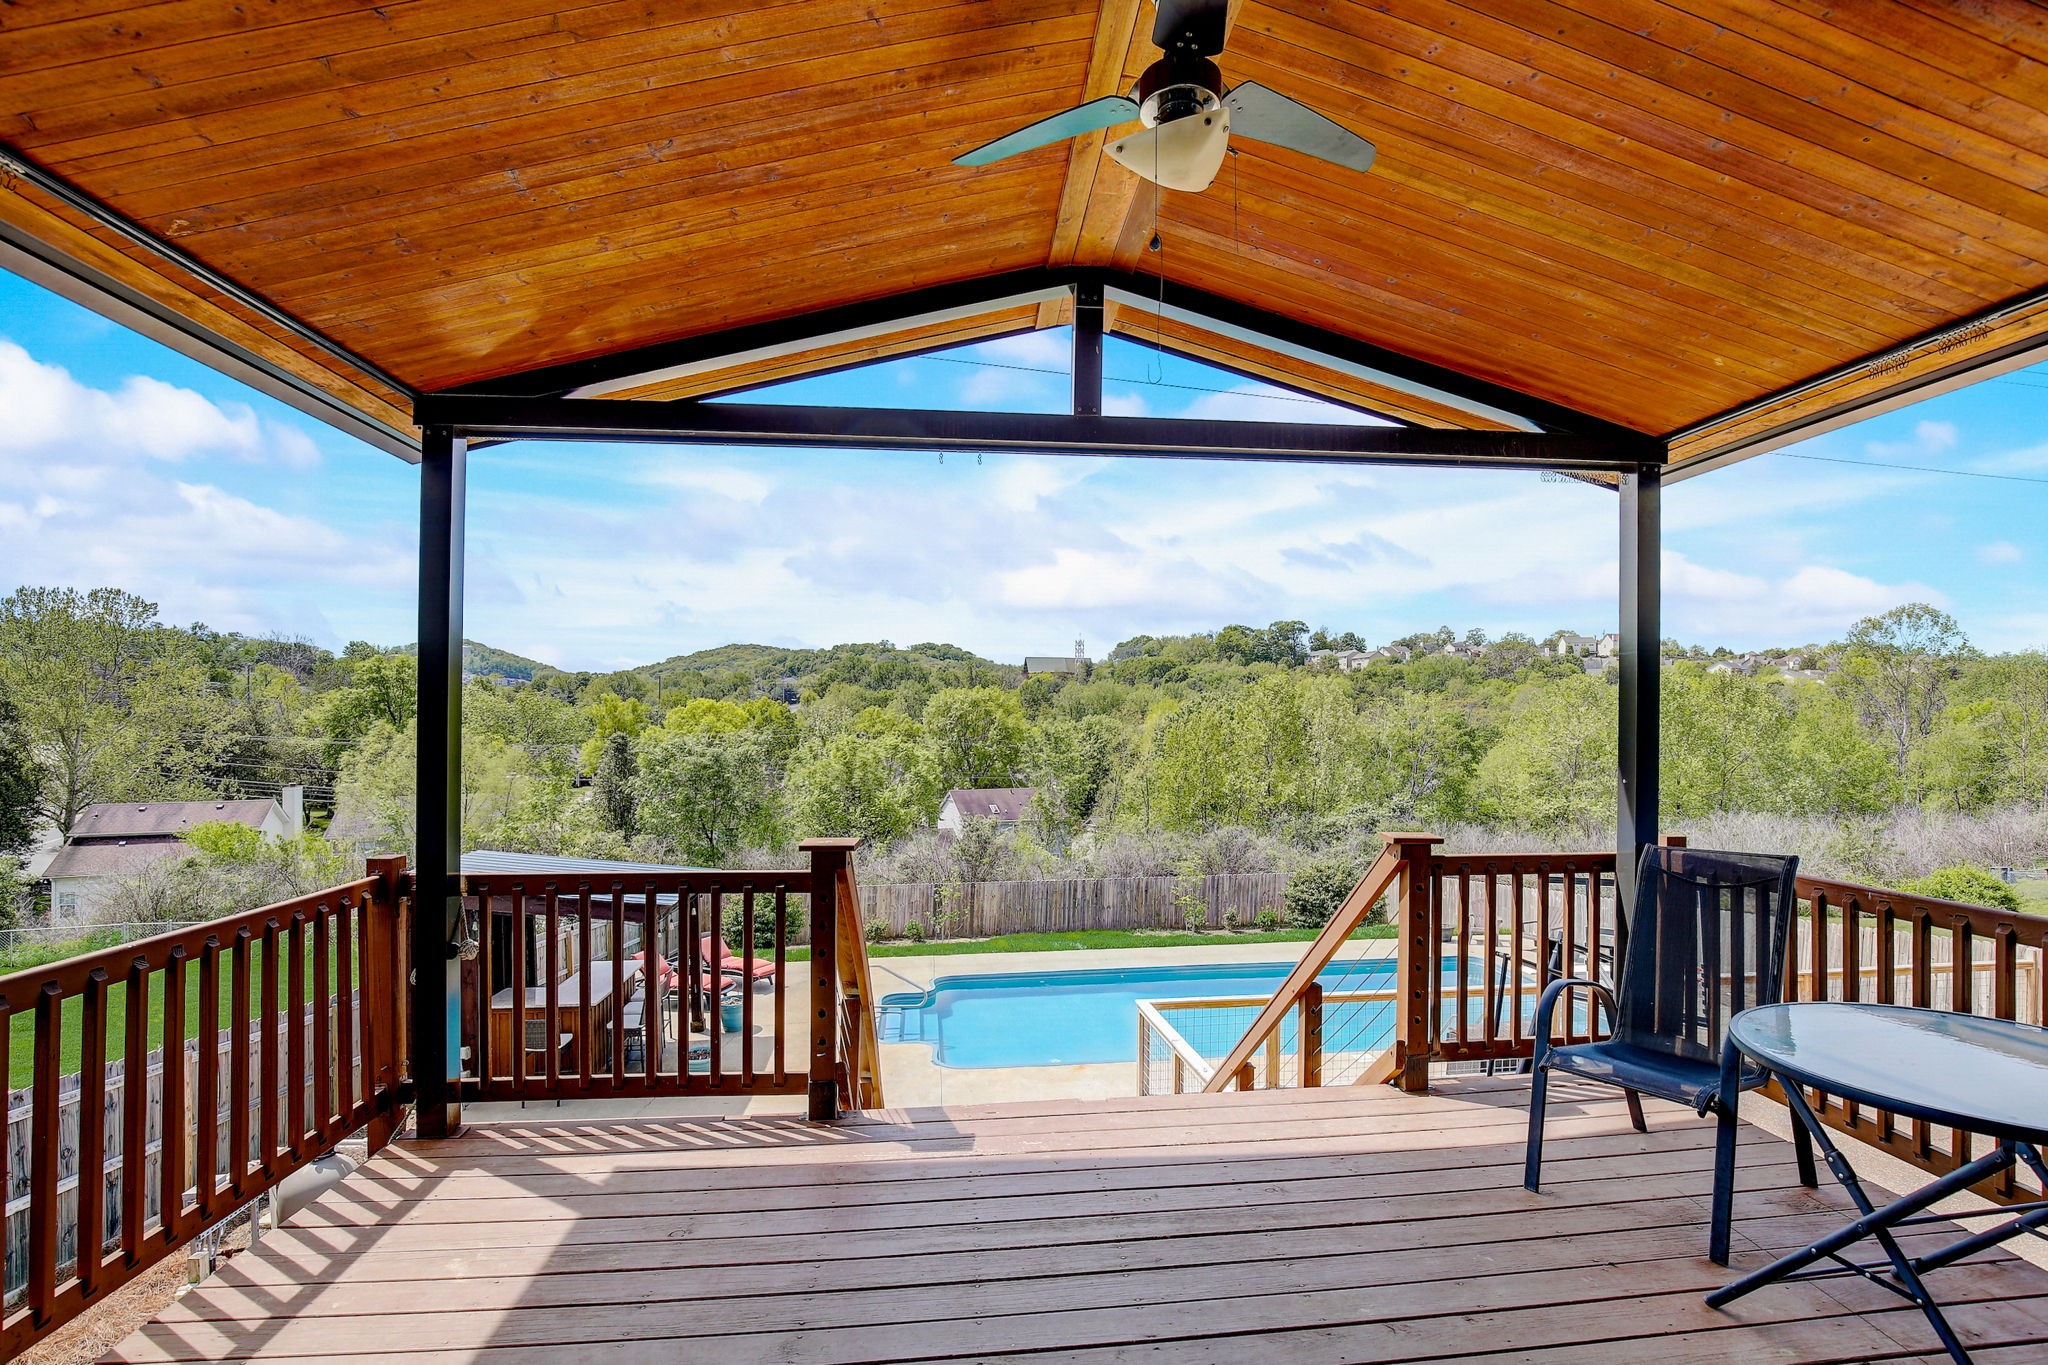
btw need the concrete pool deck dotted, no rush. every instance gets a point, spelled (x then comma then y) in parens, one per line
(909, 1075)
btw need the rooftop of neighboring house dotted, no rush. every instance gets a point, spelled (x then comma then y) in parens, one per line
(164, 819)
(1006, 804)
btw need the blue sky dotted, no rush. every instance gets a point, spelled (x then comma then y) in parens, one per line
(122, 463)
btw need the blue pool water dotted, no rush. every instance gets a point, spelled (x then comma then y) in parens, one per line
(1051, 1018)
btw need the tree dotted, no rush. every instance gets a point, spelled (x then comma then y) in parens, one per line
(706, 794)
(1237, 644)
(1723, 743)
(1553, 769)
(975, 736)
(21, 780)
(1899, 668)
(852, 788)
(382, 690)
(117, 706)
(1282, 643)
(612, 786)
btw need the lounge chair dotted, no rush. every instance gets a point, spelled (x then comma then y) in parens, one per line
(729, 963)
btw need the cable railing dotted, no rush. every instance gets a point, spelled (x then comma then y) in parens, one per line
(171, 1081)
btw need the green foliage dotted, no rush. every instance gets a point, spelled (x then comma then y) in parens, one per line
(225, 841)
(877, 930)
(1316, 890)
(705, 794)
(612, 785)
(733, 919)
(21, 780)
(1194, 911)
(1971, 885)
(914, 931)
(975, 737)
(1267, 920)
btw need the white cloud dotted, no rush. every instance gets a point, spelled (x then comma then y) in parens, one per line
(88, 498)
(144, 418)
(2000, 552)
(1929, 438)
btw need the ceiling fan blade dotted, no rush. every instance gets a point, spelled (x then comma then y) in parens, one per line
(1206, 22)
(1106, 112)
(1267, 116)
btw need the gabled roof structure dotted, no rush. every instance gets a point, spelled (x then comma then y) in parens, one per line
(1719, 224)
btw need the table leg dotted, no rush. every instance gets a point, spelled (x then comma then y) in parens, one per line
(2013, 1227)
(1725, 1132)
(1875, 1223)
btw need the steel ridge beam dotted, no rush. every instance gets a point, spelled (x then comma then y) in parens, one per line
(699, 423)
(966, 298)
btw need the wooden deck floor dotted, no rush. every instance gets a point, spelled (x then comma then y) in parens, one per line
(1319, 1226)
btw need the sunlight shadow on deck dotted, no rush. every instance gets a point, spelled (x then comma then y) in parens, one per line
(1308, 1225)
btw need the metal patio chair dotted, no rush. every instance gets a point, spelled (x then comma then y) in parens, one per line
(1706, 940)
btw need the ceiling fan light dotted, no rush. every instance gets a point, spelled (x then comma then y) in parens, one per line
(1182, 155)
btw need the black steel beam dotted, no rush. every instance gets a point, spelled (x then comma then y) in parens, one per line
(1088, 350)
(692, 423)
(1642, 628)
(436, 1034)
(558, 380)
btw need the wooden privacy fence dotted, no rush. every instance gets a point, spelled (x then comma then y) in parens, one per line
(982, 909)
(618, 987)
(265, 1038)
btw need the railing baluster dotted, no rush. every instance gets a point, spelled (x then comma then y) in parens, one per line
(45, 1154)
(1568, 964)
(585, 970)
(175, 1116)
(551, 1007)
(714, 1013)
(134, 1113)
(781, 972)
(344, 1015)
(1461, 957)
(238, 1063)
(747, 980)
(516, 1032)
(650, 954)
(618, 1014)
(206, 1151)
(267, 1074)
(484, 1057)
(91, 1237)
(323, 1048)
(295, 1035)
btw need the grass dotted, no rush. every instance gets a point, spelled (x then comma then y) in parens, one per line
(1092, 939)
(21, 1027)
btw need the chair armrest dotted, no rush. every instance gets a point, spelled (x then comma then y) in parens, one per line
(1546, 1005)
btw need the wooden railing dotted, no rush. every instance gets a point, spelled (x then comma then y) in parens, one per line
(1505, 925)
(175, 1079)
(622, 987)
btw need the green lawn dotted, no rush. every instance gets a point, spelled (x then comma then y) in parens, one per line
(21, 1027)
(1093, 938)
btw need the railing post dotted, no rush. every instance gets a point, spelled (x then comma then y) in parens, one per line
(385, 998)
(1417, 965)
(828, 857)
(1311, 1035)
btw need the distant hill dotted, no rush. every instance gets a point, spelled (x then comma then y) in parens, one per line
(486, 661)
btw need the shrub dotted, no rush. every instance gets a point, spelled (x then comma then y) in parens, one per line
(878, 930)
(731, 922)
(1194, 912)
(1971, 885)
(1268, 918)
(1316, 890)
(914, 931)
(1232, 921)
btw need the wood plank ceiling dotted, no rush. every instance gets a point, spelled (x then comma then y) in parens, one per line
(1653, 212)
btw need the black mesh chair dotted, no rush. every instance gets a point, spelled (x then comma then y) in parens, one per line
(1706, 940)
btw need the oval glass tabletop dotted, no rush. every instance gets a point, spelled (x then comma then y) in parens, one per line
(1988, 1076)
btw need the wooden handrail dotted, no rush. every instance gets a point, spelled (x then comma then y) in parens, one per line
(332, 959)
(855, 984)
(1347, 917)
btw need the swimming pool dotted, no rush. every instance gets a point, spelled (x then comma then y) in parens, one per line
(1058, 1018)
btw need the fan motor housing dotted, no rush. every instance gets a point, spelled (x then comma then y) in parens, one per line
(1177, 85)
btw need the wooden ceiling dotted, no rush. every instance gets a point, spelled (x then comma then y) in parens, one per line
(1653, 213)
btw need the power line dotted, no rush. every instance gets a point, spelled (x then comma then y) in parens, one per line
(1916, 468)
(1122, 379)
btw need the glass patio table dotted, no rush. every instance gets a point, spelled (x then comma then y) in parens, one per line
(1986, 1076)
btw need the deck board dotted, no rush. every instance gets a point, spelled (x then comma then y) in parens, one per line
(1339, 1225)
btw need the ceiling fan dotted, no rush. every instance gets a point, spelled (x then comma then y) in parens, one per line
(1187, 112)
